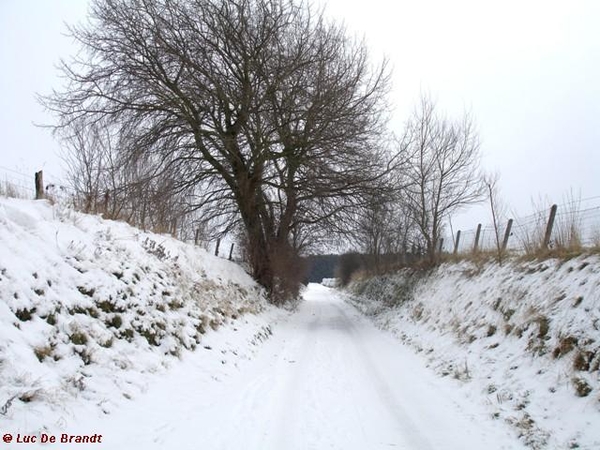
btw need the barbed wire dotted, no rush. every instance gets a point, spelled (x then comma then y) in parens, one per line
(18, 184)
(577, 222)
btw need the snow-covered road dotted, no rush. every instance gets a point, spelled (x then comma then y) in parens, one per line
(326, 379)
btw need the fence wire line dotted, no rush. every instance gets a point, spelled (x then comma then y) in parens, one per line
(21, 185)
(577, 220)
(574, 225)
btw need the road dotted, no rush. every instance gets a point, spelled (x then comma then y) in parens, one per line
(326, 379)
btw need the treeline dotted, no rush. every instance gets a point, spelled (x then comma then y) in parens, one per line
(262, 118)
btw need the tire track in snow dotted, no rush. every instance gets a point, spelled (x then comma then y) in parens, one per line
(326, 380)
(383, 389)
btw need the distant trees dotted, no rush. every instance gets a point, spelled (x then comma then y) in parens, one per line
(436, 173)
(106, 182)
(252, 112)
(385, 227)
(442, 174)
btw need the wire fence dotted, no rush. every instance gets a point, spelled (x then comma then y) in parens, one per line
(576, 224)
(14, 183)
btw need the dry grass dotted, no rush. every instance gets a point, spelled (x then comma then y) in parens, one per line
(10, 190)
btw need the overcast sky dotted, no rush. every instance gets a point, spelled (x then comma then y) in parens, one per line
(528, 70)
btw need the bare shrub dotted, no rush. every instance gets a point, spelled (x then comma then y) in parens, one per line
(498, 211)
(582, 387)
(567, 232)
(10, 190)
(530, 230)
(348, 265)
(289, 273)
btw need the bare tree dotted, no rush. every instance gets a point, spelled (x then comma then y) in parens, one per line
(105, 182)
(443, 173)
(267, 114)
(497, 209)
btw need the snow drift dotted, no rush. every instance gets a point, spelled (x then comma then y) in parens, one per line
(525, 337)
(90, 309)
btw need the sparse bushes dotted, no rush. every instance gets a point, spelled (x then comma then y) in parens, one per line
(78, 338)
(25, 314)
(11, 190)
(348, 265)
(289, 272)
(43, 352)
(566, 345)
(390, 290)
(582, 388)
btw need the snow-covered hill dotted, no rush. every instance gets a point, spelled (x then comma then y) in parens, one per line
(91, 310)
(524, 337)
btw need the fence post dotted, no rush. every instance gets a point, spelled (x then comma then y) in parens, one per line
(457, 242)
(231, 252)
(477, 235)
(39, 185)
(550, 225)
(507, 235)
(197, 236)
(217, 247)
(440, 246)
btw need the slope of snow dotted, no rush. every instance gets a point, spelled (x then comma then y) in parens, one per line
(524, 338)
(325, 379)
(92, 310)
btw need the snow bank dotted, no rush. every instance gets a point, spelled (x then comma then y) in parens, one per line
(524, 337)
(330, 282)
(91, 309)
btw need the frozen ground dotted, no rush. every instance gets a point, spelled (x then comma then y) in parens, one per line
(325, 379)
(521, 339)
(152, 343)
(92, 311)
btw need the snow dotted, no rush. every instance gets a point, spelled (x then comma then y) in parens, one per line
(323, 378)
(147, 342)
(92, 311)
(517, 338)
(330, 282)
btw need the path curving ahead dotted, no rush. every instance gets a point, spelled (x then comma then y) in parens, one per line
(326, 379)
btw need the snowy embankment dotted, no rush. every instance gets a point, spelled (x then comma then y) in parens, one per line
(92, 310)
(524, 338)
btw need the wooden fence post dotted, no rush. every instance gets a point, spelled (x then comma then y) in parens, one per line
(457, 242)
(507, 235)
(231, 252)
(217, 247)
(197, 236)
(477, 236)
(39, 185)
(440, 246)
(550, 225)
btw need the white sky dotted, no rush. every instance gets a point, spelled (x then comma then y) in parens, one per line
(528, 70)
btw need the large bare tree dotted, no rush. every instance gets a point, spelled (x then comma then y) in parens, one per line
(266, 111)
(443, 173)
